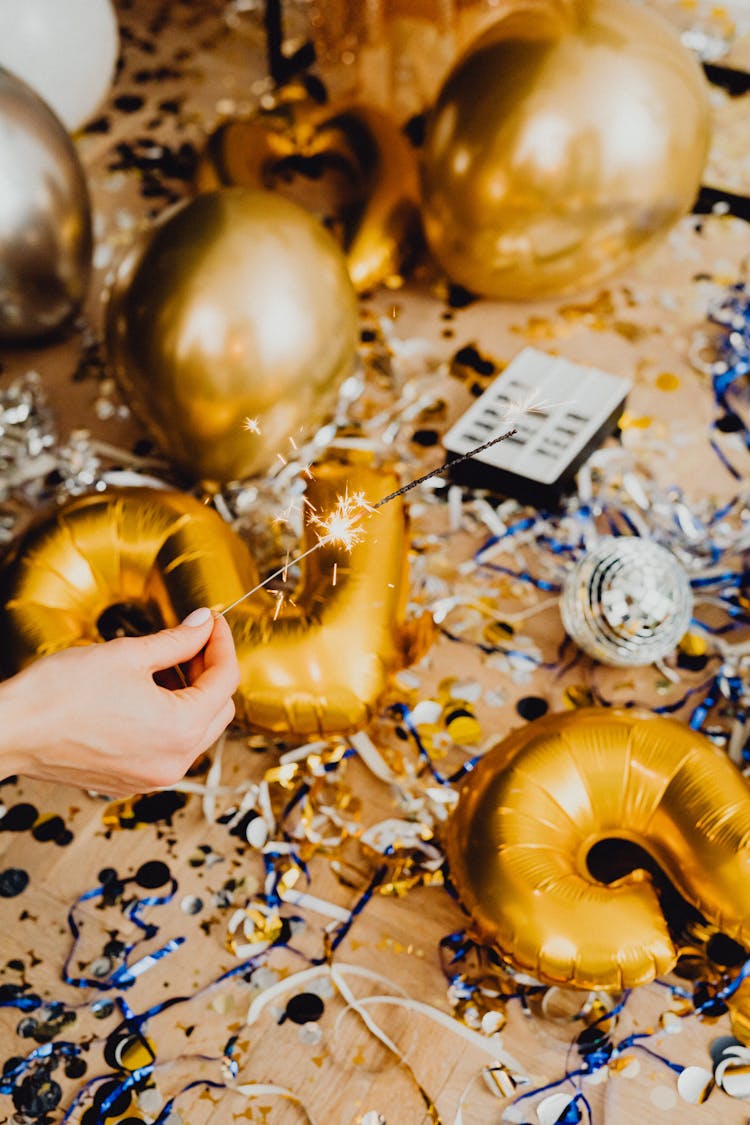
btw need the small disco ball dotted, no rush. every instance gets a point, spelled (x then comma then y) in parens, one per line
(627, 602)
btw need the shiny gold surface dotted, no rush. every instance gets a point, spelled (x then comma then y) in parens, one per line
(560, 146)
(45, 222)
(372, 201)
(318, 665)
(536, 804)
(238, 305)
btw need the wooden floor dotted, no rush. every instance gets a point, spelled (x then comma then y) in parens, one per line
(332, 1016)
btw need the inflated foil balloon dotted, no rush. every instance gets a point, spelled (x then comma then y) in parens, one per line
(566, 139)
(45, 222)
(236, 306)
(65, 49)
(530, 813)
(142, 558)
(372, 202)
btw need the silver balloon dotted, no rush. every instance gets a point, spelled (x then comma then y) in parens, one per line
(45, 220)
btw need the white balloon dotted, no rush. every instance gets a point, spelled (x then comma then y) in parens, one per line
(65, 49)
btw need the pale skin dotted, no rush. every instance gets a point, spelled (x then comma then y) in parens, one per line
(96, 717)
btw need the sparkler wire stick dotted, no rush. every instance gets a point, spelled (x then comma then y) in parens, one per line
(386, 499)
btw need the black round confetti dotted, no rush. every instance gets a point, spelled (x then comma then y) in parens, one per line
(722, 950)
(49, 828)
(37, 1094)
(107, 875)
(425, 438)
(152, 874)
(75, 1068)
(306, 1007)
(13, 881)
(119, 1104)
(730, 424)
(154, 807)
(128, 103)
(692, 662)
(532, 707)
(19, 818)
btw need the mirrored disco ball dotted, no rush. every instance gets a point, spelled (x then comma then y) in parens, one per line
(628, 601)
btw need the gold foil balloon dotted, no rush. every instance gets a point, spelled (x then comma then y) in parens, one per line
(237, 305)
(137, 559)
(359, 154)
(565, 139)
(528, 816)
(45, 223)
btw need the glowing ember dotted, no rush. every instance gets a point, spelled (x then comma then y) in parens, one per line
(343, 526)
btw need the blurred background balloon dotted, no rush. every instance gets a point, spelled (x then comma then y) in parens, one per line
(231, 326)
(351, 166)
(564, 140)
(65, 49)
(45, 222)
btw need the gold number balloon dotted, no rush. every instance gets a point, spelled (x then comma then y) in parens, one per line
(530, 813)
(237, 305)
(373, 207)
(566, 138)
(146, 557)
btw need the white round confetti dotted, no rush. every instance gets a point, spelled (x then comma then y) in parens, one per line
(492, 1022)
(631, 1069)
(733, 1075)
(671, 1023)
(372, 1117)
(310, 1033)
(427, 712)
(150, 1101)
(551, 1109)
(256, 832)
(467, 690)
(695, 1084)
(191, 904)
(663, 1097)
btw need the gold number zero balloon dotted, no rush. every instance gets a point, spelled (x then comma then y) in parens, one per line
(372, 206)
(564, 140)
(147, 557)
(236, 305)
(530, 813)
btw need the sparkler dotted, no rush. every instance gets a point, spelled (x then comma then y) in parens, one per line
(343, 525)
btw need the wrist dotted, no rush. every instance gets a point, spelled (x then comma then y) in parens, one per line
(16, 714)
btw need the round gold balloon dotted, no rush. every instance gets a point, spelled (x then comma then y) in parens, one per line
(237, 305)
(520, 840)
(351, 166)
(135, 559)
(565, 140)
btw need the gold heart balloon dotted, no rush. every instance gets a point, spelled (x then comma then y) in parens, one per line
(142, 558)
(351, 166)
(521, 842)
(236, 306)
(566, 139)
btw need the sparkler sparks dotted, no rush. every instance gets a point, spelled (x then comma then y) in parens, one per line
(343, 526)
(252, 425)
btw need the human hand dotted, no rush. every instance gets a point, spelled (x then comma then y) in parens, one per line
(96, 717)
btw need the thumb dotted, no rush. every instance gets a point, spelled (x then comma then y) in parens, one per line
(173, 646)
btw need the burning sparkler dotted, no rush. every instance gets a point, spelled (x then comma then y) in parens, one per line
(343, 526)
